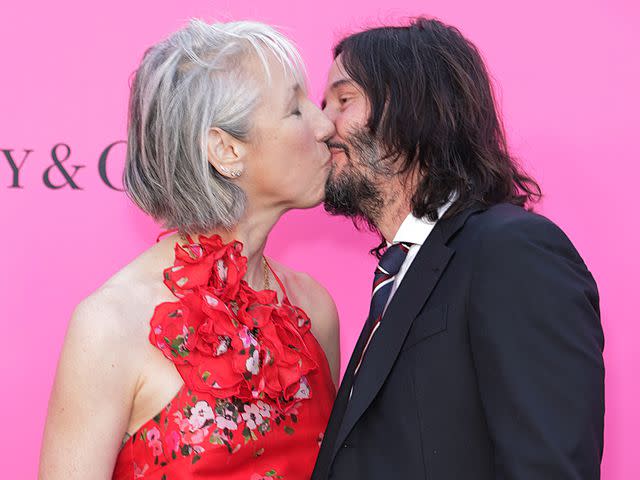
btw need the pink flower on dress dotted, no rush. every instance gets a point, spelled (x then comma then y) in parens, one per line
(253, 363)
(200, 414)
(194, 438)
(156, 448)
(252, 416)
(304, 392)
(222, 270)
(209, 328)
(173, 441)
(190, 434)
(139, 472)
(223, 346)
(183, 423)
(247, 338)
(153, 435)
(270, 475)
(226, 420)
(264, 409)
(198, 449)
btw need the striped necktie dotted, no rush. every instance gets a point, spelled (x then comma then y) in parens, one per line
(383, 279)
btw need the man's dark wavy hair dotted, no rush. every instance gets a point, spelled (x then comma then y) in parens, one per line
(433, 106)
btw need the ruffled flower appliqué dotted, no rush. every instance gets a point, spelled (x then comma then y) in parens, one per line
(226, 339)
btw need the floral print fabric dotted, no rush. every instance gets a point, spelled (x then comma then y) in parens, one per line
(257, 390)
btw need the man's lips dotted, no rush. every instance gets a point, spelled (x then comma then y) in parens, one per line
(337, 148)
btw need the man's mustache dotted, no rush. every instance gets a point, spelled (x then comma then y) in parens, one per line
(339, 145)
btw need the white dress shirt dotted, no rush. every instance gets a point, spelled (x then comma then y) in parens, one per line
(416, 231)
(412, 230)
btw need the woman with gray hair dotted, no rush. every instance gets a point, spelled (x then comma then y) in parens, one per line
(210, 360)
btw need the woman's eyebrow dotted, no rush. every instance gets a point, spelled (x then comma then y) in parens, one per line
(295, 89)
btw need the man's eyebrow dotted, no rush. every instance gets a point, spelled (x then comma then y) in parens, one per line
(340, 83)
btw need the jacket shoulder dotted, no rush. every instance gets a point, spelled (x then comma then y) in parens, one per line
(510, 228)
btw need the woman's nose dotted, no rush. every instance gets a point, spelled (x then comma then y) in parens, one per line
(326, 128)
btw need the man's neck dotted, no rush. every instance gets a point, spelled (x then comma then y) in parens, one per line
(396, 208)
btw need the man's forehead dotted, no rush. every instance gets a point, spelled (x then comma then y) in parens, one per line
(337, 77)
(337, 72)
(340, 82)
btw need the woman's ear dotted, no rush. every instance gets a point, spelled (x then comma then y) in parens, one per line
(225, 153)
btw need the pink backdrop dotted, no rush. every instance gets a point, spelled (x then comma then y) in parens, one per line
(567, 75)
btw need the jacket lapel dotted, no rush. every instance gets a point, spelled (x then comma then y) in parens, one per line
(416, 287)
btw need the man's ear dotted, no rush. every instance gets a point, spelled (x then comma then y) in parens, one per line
(225, 153)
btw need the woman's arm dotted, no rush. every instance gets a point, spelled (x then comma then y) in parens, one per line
(92, 394)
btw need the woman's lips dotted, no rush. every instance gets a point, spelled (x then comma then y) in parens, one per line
(327, 160)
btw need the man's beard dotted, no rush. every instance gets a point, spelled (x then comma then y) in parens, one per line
(354, 192)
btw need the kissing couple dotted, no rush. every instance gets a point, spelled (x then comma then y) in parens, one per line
(481, 356)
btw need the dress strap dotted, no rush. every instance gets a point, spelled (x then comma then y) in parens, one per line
(165, 232)
(173, 230)
(284, 291)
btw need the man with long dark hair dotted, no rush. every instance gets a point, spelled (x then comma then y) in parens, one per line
(481, 357)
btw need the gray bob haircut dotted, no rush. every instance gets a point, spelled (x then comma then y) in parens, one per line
(200, 77)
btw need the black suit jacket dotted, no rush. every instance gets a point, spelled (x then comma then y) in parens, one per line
(487, 364)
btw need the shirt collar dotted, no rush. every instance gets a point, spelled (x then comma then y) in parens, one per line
(416, 230)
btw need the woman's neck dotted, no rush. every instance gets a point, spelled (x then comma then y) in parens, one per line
(252, 231)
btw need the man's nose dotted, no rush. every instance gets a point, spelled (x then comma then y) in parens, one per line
(330, 112)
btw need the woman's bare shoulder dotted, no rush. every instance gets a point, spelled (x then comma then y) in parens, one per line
(122, 305)
(103, 359)
(306, 292)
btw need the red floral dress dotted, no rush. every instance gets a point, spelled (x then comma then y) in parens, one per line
(257, 390)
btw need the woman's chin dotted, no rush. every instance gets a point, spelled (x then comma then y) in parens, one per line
(310, 201)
